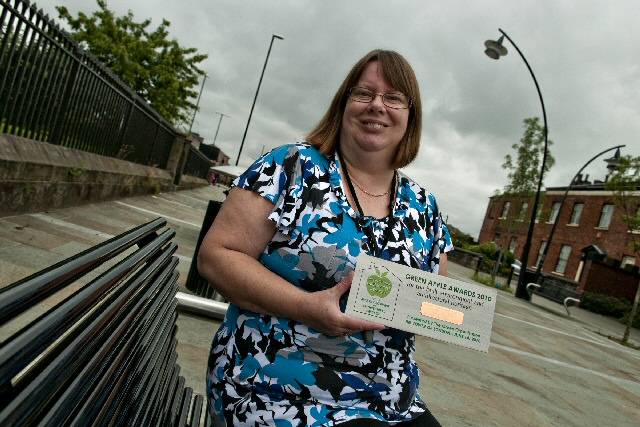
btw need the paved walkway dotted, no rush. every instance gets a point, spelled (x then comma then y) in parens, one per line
(542, 369)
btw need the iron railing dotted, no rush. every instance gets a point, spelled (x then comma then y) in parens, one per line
(197, 164)
(52, 90)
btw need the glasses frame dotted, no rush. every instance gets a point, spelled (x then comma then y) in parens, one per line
(382, 96)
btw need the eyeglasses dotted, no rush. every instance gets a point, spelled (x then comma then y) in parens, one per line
(396, 100)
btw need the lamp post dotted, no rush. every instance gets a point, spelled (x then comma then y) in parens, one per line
(564, 197)
(273, 37)
(218, 128)
(195, 110)
(494, 50)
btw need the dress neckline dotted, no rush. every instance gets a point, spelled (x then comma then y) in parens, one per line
(338, 186)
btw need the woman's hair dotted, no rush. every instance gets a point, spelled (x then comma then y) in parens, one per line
(399, 74)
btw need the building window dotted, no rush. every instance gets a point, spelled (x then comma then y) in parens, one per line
(513, 244)
(605, 216)
(627, 260)
(505, 210)
(543, 245)
(563, 258)
(576, 214)
(555, 210)
(523, 211)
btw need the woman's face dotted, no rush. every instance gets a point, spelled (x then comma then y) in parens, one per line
(373, 126)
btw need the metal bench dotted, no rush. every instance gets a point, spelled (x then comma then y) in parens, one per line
(105, 355)
(553, 292)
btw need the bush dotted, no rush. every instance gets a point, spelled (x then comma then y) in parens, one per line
(636, 321)
(619, 308)
(605, 305)
(489, 250)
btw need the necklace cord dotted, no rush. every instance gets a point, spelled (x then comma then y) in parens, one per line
(374, 248)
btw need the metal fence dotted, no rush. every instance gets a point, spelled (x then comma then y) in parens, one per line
(197, 164)
(51, 90)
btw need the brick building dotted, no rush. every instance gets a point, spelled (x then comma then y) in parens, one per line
(589, 217)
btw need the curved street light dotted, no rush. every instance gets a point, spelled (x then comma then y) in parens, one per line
(564, 197)
(273, 36)
(494, 50)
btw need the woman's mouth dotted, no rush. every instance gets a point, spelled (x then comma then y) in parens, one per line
(373, 124)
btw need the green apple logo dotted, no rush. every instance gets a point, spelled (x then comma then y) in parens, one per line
(379, 284)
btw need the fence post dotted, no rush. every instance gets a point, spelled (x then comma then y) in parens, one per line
(178, 157)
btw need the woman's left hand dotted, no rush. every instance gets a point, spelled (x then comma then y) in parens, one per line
(321, 311)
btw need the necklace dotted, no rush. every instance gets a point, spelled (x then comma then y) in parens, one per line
(350, 182)
(386, 193)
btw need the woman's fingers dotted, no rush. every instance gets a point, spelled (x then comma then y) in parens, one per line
(356, 325)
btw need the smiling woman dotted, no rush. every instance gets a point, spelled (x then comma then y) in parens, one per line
(282, 250)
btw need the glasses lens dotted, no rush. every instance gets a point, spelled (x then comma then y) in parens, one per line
(361, 94)
(396, 100)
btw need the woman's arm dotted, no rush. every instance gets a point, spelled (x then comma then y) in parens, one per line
(228, 259)
(442, 268)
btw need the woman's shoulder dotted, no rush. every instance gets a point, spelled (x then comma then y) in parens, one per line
(410, 189)
(303, 150)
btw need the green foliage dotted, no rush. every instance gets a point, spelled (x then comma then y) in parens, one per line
(524, 171)
(154, 66)
(486, 280)
(623, 182)
(490, 252)
(619, 308)
(459, 238)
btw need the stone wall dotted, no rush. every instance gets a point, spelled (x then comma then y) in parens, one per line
(464, 257)
(37, 176)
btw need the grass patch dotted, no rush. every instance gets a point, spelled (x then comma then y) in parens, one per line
(485, 279)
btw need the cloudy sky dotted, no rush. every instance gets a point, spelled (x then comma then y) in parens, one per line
(584, 54)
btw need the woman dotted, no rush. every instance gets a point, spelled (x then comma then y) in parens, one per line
(283, 246)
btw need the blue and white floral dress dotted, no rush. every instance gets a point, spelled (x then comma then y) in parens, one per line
(267, 370)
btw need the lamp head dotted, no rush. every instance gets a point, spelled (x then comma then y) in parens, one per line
(613, 163)
(495, 49)
(277, 37)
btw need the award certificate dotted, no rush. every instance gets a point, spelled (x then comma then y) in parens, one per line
(423, 303)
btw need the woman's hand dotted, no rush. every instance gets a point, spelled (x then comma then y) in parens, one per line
(321, 311)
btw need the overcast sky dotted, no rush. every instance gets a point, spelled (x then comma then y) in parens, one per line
(585, 55)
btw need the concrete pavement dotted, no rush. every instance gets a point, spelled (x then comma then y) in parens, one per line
(542, 369)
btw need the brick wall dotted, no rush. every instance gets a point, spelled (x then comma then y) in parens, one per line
(615, 240)
(604, 278)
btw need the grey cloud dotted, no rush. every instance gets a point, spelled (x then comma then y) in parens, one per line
(584, 58)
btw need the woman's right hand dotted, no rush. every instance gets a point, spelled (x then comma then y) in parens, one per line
(321, 311)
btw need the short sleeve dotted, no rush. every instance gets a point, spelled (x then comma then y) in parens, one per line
(445, 242)
(277, 177)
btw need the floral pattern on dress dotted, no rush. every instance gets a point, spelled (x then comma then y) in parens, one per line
(267, 370)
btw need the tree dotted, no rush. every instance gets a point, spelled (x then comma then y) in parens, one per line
(624, 182)
(524, 172)
(157, 68)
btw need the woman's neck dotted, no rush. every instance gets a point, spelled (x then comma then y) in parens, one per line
(371, 169)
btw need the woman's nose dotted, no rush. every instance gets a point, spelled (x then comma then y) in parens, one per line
(376, 102)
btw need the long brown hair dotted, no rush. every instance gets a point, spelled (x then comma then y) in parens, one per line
(395, 70)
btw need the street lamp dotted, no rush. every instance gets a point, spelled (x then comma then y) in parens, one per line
(564, 197)
(218, 128)
(273, 36)
(195, 109)
(495, 50)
